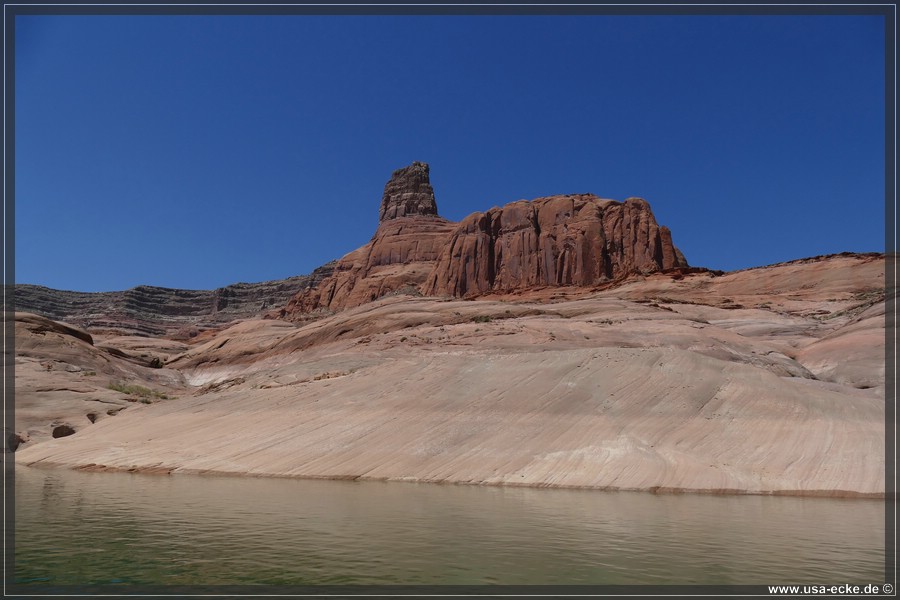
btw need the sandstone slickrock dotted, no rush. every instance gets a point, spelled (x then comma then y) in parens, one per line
(40, 325)
(67, 377)
(718, 384)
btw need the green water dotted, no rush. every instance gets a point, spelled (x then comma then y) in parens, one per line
(95, 528)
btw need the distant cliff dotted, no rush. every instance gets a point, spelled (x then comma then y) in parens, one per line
(157, 311)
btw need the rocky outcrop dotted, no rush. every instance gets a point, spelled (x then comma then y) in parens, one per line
(408, 193)
(40, 326)
(579, 240)
(399, 257)
(157, 311)
(67, 379)
(574, 240)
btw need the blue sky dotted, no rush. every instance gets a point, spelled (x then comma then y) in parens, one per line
(199, 151)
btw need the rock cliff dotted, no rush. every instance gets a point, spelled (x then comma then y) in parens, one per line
(156, 311)
(399, 257)
(578, 240)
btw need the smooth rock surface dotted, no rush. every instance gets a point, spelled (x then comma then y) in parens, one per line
(61, 378)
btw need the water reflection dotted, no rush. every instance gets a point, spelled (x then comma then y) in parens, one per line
(75, 528)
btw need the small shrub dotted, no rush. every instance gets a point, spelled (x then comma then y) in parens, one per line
(482, 319)
(329, 375)
(137, 390)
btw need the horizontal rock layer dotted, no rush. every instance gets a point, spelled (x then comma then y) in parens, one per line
(154, 311)
(408, 193)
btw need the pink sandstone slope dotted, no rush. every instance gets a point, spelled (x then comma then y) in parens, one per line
(767, 381)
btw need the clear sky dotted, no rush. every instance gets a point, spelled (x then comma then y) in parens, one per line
(199, 151)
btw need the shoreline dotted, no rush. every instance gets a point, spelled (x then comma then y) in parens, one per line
(656, 490)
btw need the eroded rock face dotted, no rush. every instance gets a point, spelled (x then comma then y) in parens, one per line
(399, 257)
(408, 193)
(579, 240)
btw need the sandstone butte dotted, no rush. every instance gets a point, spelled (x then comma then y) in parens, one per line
(558, 342)
(555, 241)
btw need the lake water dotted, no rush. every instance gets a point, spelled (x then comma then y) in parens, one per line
(96, 528)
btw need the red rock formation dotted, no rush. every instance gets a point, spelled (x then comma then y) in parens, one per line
(400, 255)
(408, 193)
(577, 240)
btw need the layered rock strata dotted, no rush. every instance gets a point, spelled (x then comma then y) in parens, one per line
(408, 193)
(399, 258)
(155, 311)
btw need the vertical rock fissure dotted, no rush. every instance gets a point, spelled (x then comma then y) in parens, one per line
(491, 241)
